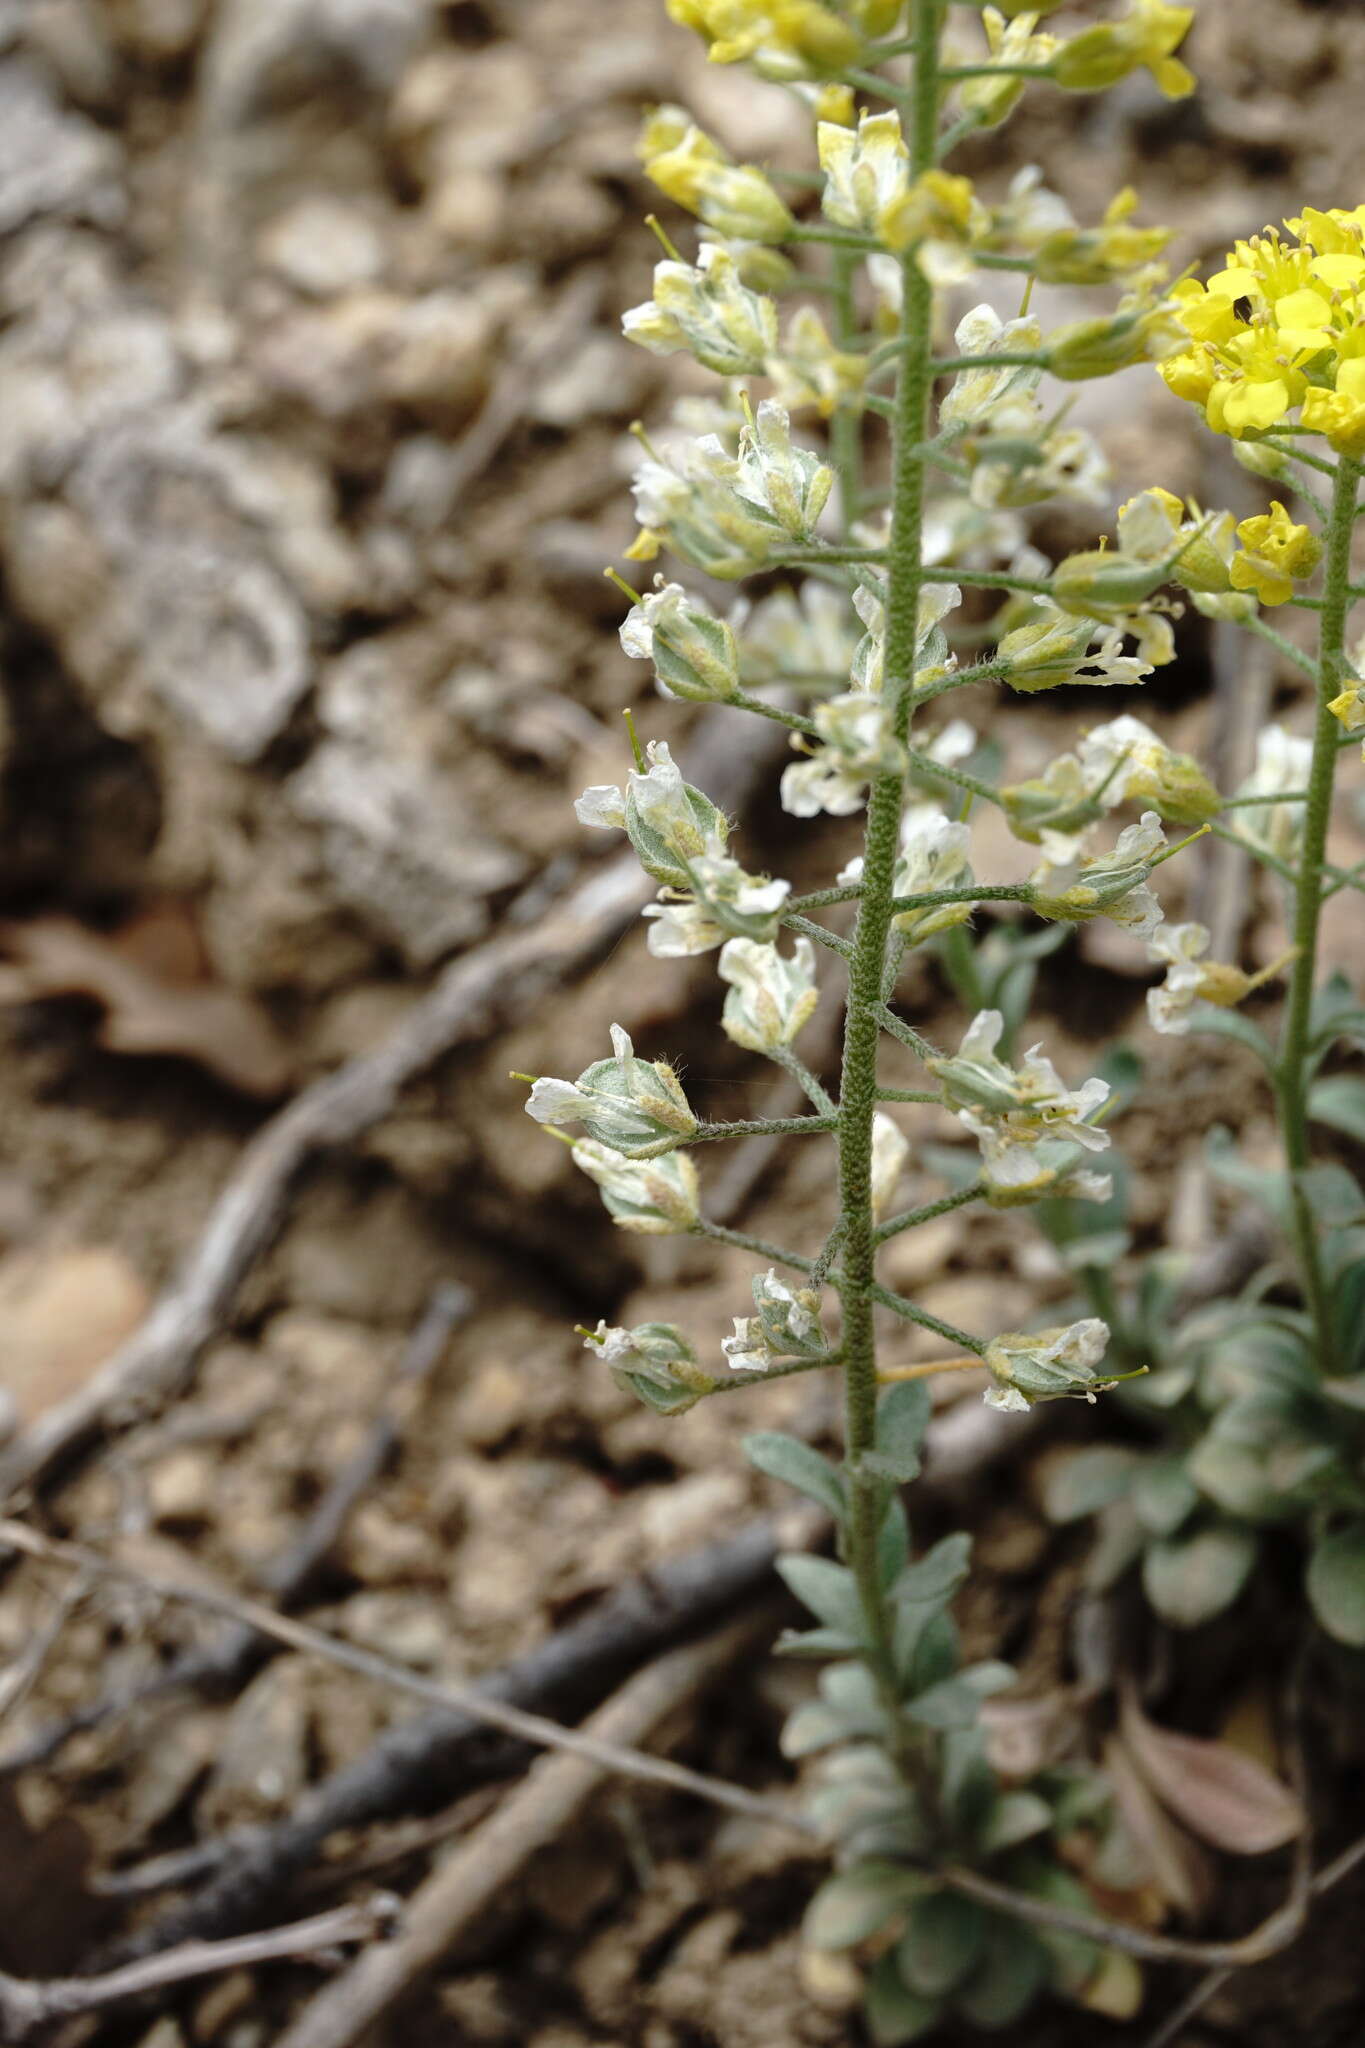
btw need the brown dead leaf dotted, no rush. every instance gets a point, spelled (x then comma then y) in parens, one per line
(151, 980)
(1115, 1990)
(63, 1313)
(1221, 1795)
(1177, 1866)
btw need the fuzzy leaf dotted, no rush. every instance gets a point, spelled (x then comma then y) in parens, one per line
(896, 2015)
(941, 1943)
(1164, 1494)
(797, 1465)
(1190, 1579)
(955, 1702)
(902, 1418)
(1336, 1585)
(1088, 1481)
(855, 1903)
(827, 1589)
(1012, 1970)
(1015, 1817)
(937, 1575)
(893, 1543)
(1221, 1795)
(1340, 1102)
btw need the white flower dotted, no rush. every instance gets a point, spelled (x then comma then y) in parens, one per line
(860, 744)
(1112, 885)
(670, 824)
(890, 1150)
(705, 308)
(724, 902)
(1283, 763)
(933, 857)
(630, 1105)
(790, 636)
(866, 169)
(693, 652)
(648, 1196)
(1018, 1105)
(655, 1362)
(1190, 978)
(1018, 1173)
(770, 998)
(1054, 648)
(748, 1350)
(976, 397)
(1046, 1365)
(1126, 760)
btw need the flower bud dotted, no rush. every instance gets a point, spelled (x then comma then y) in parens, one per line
(1099, 57)
(992, 99)
(693, 652)
(771, 998)
(1278, 553)
(1048, 1170)
(1349, 708)
(655, 1362)
(1105, 579)
(630, 1105)
(860, 744)
(1047, 1365)
(725, 903)
(1053, 649)
(787, 1325)
(649, 1196)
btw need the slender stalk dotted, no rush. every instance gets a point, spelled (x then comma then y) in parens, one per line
(908, 1218)
(858, 1086)
(1292, 1072)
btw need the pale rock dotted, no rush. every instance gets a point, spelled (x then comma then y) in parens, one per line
(492, 1404)
(468, 210)
(261, 1766)
(921, 1254)
(170, 1751)
(395, 839)
(323, 245)
(52, 161)
(692, 1510)
(183, 1486)
(593, 381)
(63, 1313)
(381, 1549)
(413, 1629)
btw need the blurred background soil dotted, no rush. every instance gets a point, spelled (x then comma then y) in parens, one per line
(312, 450)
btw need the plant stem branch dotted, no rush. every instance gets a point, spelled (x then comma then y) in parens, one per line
(1292, 1070)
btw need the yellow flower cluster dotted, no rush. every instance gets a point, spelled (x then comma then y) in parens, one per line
(1278, 552)
(1280, 328)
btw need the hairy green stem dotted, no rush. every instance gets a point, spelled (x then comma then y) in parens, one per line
(858, 1085)
(908, 1218)
(1293, 1072)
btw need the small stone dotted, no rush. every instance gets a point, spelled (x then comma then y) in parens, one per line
(692, 1510)
(322, 246)
(262, 1761)
(181, 1488)
(412, 1629)
(492, 1404)
(63, 1313)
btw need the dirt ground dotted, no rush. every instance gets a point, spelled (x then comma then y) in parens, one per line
(312, 448)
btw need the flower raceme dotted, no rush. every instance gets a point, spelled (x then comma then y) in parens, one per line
(1280, 332)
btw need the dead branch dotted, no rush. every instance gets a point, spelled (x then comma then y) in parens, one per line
(466, 1882)
(231, 1658)
(418, 1761)
(29, 2006)
(474, 995)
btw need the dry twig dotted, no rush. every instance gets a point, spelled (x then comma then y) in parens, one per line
(27, 2007)
(466, 1882)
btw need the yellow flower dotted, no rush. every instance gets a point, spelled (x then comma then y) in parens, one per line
(1013, 42)
(1098, 255)
(1282, 325)
(787, 38)
(695, 172)
(941, 215)
(865, 171)
(1340, 414)
(1277, 552)
(1099, 57)
(1349, 708)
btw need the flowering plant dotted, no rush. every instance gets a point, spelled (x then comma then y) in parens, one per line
(882, 617)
